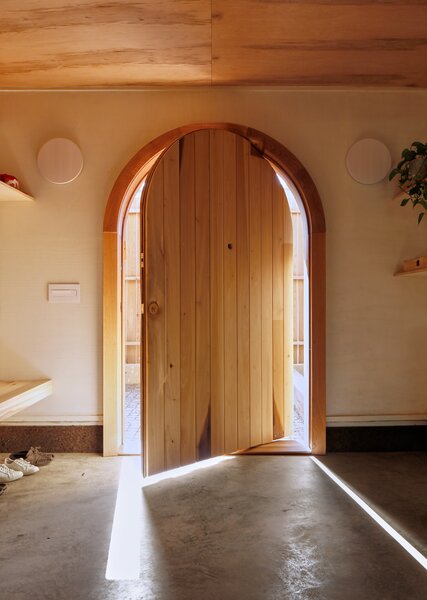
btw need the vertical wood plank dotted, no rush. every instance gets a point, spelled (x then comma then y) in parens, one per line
(267, 302)
(173, 306)
(203, 344)
(230, 294)
(155, 292)
(112, 341)
(317, 264)
(131, 288)
(217, 291)
(288, 323)
(278, 313)
(243, 322)
(255, 192)
(188, 300)
(226, 368)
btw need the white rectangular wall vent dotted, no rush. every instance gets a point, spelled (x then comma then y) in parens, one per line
(64, 292)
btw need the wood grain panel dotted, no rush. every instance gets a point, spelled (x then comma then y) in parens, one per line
(278, 315)
(277, 447)
(217, 290)
(230, 294)
(226, 235)
(255, 300)
(156, 329)
(318, 339)
(320, 42)
(281, 160)
(266, 202)
(288, 357)
(243, 288)
(298, 301)
(132, 323)
(131, 291)
(91, 43)
(188, 299)
(171, 203)
(112, 356)
(203, 339)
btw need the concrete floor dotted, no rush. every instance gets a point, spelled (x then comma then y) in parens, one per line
(252, 528)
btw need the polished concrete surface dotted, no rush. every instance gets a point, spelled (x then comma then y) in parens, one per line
(393, 484)
(252, 527)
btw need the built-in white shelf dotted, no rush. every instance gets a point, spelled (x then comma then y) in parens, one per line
(17, 395)
(11, 194)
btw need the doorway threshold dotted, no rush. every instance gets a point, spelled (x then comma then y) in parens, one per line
(282, 446)
(129, 449)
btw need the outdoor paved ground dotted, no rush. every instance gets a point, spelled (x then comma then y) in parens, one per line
(132, 420)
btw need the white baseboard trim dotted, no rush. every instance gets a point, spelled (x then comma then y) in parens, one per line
(54, 420)
(331, 421)
(375, 420)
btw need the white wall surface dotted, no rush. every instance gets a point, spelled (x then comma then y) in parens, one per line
(376, 324)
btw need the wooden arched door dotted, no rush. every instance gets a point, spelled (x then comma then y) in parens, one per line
(217, 293)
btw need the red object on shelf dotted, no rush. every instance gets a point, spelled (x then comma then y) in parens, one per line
(9, 180)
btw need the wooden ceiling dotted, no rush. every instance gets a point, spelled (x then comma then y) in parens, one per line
(131, 43)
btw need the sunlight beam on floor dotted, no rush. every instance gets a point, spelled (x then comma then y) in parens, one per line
(124, 555)
(422, 560)
(180, 471)
(125, 544)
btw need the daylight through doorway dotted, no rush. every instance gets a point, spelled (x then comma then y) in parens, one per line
(131, 302)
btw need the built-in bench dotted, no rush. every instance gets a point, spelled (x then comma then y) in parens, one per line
(17, 395)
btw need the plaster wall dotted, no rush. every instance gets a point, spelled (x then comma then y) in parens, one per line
(376, 324)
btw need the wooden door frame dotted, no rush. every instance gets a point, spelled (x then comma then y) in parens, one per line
(118, 202)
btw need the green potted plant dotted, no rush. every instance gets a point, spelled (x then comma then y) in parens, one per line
(412, 173)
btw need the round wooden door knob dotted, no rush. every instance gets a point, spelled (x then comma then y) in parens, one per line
(153, 308)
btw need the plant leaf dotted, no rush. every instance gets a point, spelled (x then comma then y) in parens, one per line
(420, 217)
(420, 147)
(409, 154)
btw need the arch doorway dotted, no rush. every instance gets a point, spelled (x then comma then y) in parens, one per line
(223, 424)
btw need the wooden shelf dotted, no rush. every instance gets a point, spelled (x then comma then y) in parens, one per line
(17, 395)
(420, 272)
(11, 194)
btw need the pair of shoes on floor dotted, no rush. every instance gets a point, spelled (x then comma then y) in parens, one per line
(14, 469)
(34, 456)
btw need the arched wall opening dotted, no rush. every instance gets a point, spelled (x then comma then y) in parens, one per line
(298, 179)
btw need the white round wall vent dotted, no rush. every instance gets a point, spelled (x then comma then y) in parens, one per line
(60, 160)
(368, 161)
